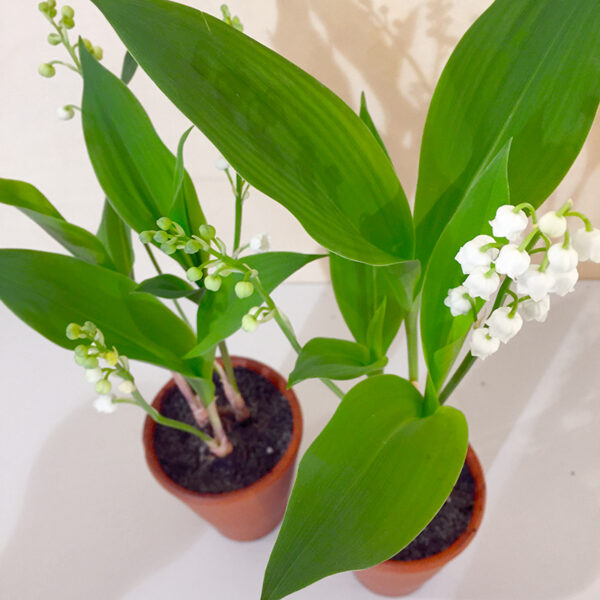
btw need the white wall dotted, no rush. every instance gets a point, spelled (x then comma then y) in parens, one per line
(392, 49)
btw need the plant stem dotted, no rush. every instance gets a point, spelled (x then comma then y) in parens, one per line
(461, 371)
(159, 271)
(224, 447)
(239, 200)
(230, 387)
(411, 325)
(198, 409)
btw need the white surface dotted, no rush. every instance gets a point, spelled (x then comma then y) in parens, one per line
(81, 517)
(393, 49)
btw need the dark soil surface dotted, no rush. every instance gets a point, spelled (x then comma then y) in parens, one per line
(448, 524)
(259, 442)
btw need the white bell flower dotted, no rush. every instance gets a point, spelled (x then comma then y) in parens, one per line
(587, 244)
(93, 375)
(65, 113)
(470, 255)
(481, 283)
(221, 164)
(482, 343)
(531, 310)
(502, 325)
(562, 260)
(456, 301)
(260, 242)
(564, 282)
(535, 283)
(509, 224)
(552, 225)
(127, 387)
(511, 261)
(105, 404)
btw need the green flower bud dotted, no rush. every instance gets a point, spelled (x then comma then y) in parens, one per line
(194, 274)
(88, 45)
(46, 70)
(103, 387)
(67, 12)
(168, 248)
(111, 358)
(98, 52)
(244, 289)
(249, 323)
(207, 232)
(164, 223)
(193, 246)
(73, 331)
(81, 350)
(147, 236)
(89, 329)
(51, 3)
(91, 362)
(67, 23)
(53, 39)
(44, 7)
(80, 360)
(237, 24)
(212, 283)
(161, 237)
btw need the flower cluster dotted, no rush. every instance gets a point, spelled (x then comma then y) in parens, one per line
(172, 238)
(503, 261)
(100, 363)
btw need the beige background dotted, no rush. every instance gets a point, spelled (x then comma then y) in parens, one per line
(394, 50)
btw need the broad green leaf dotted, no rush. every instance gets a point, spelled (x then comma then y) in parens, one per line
(220, 313)
(283, 131)
(135, 169)
(116, 237)
(334, 359)
(368, 485)
(168, 286)
(129, 68)
(31, 202)
(442, 334)
(365, 117)
(527, 70)
(49, 291)
(360, 289)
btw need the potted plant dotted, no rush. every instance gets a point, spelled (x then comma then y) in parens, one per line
(232, 407)
(509, 115)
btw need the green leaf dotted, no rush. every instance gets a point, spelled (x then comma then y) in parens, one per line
(527, 70)
(371, 481)
(360, 289)
(116, 237)
(220, 313)
(282, 130)
(365, 117)
(135, 169)
(334, 359)
(168, 286)
(129, 68)
(34, 204)
(442, 334)
(49, 291)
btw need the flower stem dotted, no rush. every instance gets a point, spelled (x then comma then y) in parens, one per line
(230, 386)
(194, 402)
(239, 201)
(461, 371)
(411, 325)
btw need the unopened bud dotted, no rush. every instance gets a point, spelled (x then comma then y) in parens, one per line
(147, 236)
(193, 246)
(207, 232)
(127, 387)
(81, 350)
(73, 331)
(88, 45)
(103, 387)
(194, 274)
(164, 223)
(212, 283)
(91, 362)
(249, 323)
(53, 39)
(161, 237)
(111, 358)
(168, 248)
(67, 12)
(244, 289)
(98, 52)
(65, 113)
(67, 23)
(46, 70)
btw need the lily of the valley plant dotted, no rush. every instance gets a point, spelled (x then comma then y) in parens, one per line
(93, 295)
(509, 115)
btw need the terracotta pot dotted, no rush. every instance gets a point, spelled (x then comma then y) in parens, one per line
(251, 512)
(399, 578)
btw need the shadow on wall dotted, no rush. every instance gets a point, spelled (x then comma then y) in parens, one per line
(398, 59)
(98, 538)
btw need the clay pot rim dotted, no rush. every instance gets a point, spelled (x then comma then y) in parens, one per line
(436, 561)
(250, 490)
